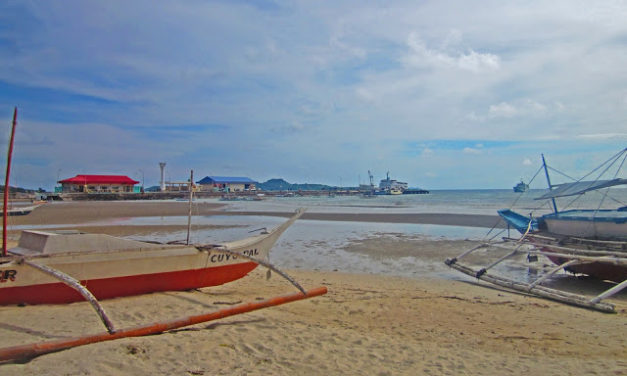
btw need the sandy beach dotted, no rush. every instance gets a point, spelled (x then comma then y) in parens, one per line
(367, 324)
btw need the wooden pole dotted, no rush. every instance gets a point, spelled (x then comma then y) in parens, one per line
(6, 186)
(76, 285)
(614, 290)
(541, 291)
(189, 214)
(32, 350)
(260, 262)
(548, 180)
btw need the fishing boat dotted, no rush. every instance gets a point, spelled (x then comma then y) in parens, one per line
(589, 241)
(57, 267)
(521, 187)
(112, 267)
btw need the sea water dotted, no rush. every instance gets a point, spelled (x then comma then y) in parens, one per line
(322, 245)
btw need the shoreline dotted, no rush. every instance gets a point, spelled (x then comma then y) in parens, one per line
(88, 211)
(371, 324)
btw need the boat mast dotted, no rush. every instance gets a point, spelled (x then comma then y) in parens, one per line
(548, 180)
(189, 215)
(6, 186)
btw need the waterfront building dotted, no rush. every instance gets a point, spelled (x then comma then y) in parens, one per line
(98, 184)
(226, 184)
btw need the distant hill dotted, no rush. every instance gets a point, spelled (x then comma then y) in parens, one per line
(282, 185)
(18, 190)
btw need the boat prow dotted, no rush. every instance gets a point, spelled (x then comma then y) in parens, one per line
(518, 221)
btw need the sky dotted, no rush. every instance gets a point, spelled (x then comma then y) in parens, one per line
(440, 94)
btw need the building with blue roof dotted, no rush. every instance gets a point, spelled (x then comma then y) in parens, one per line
(227, 184)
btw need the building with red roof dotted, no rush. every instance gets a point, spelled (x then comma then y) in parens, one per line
(97, 184)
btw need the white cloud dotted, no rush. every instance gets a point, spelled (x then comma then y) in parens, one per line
(420, 56)
(427, 151)
(469, 150)
(603, 136)
(525, 107)
(502, 110)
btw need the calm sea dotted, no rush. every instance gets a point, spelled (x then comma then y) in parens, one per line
(321, 245)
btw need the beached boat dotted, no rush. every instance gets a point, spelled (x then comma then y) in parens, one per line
(20, 210)
(112, 267)
(604, 230)
(53, 267)
(582, 241)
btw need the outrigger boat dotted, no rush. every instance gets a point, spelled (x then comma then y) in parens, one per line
(581, 241)
(111, 267)
(57, 267)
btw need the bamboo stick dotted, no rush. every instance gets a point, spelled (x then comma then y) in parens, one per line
(15, 353)
(191, 198)
(561, 296)
(577, 250)
(551, 272)
(606, 294)
(6, 185)
(574, 252)
(76, 285)
(260, 262)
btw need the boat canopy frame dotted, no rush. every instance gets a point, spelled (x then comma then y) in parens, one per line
(580, 187)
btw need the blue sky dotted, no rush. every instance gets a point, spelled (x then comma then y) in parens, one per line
(442, 94)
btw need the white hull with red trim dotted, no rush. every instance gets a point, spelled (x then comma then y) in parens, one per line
(111, 267)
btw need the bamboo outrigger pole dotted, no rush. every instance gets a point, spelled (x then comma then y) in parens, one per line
(6, 186)
(9, 354)
(191, 199)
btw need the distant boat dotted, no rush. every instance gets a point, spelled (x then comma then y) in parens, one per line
(415, 191)
(20, 210)
(521, 187)
(395, 191)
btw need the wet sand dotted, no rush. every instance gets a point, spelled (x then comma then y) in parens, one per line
(366, 324)
(82, 212)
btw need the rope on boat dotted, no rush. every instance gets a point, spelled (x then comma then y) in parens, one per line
(76, 285)
(260, 262)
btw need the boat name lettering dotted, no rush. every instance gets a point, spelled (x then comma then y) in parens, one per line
(8, 275)
(220, 257)
(251, 252)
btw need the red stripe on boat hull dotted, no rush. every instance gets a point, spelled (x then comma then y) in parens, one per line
(58, 293)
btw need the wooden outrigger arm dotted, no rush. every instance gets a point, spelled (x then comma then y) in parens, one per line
(572, 256)
(542, 291)
(534, 287)
(76, 285)
(16, 353)
(260, 262)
